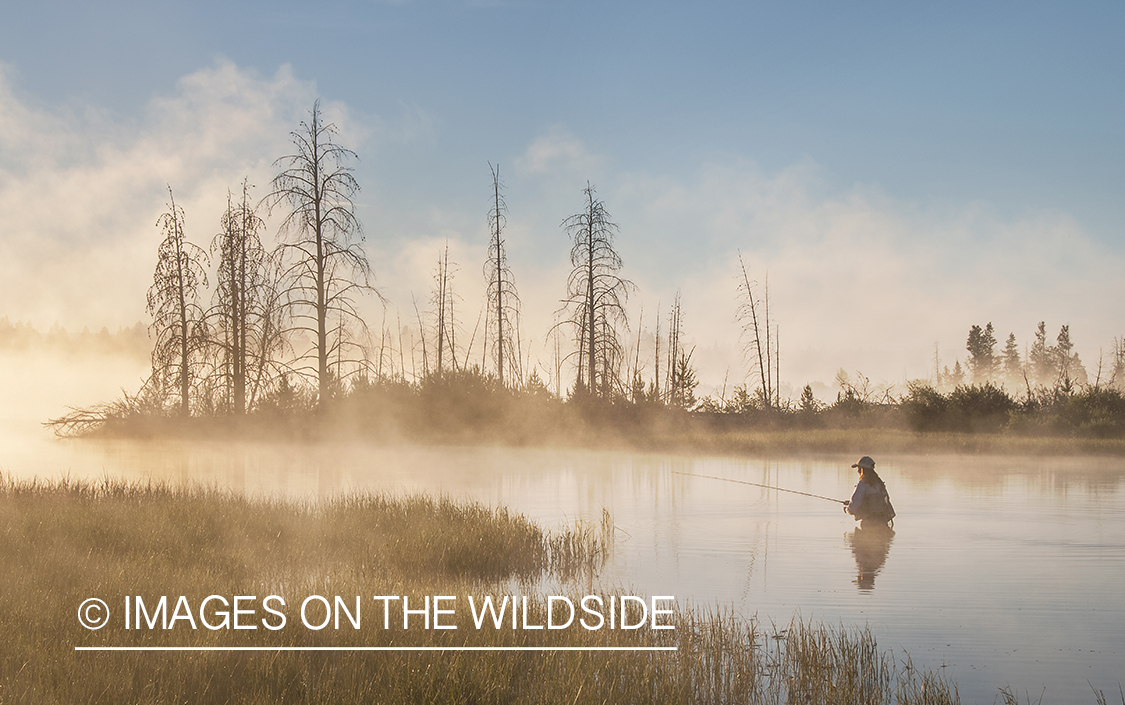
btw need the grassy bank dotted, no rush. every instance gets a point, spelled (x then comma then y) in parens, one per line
(65, 542)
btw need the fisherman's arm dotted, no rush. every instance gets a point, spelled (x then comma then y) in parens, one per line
(857, 498)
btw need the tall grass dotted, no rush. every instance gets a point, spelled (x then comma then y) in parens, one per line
(66, 541)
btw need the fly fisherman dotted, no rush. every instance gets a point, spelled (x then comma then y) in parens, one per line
(870, 501)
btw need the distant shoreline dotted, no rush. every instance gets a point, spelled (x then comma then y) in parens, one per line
(688, 433)
(887, 441)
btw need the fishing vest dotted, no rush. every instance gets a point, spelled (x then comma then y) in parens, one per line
(876, 505)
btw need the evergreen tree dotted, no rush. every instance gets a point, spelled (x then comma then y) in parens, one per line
(1068, 368)
(982, 356)
(1117, 380)
(1013, 367)
(809, 404)
(957, 376)
(1039, 358)
(684, 382)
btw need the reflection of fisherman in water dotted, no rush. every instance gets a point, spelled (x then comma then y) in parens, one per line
(870, 546)
(871, 506)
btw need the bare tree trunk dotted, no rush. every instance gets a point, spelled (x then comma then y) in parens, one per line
(501, 312)
(178, 321)
(596, 295)
(673, 348)
(321, 298)
(442, 282)
(769, 348)
(401, 357)
(776, 368)
(591, 329)
(327, 267)
(185, 365)
(422, 333)
(656, 359)
(749, 308)
(499, 273)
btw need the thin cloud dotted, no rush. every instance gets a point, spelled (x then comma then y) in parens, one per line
(557, 152)
(857, 279)
(79, 219)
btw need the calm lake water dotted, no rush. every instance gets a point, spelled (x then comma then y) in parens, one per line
(1000, 571)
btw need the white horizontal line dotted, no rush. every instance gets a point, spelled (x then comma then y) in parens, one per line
(376, 648)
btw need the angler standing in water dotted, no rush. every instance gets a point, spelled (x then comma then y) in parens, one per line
(870, 504)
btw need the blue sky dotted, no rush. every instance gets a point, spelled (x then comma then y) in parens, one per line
(900, 170)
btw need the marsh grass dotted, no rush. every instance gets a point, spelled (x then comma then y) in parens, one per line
(65, 541)
(1099, 695)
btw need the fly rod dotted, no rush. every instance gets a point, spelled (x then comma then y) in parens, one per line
(756, 484)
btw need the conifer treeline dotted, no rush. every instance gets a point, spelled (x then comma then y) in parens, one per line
(1043, 364)
(22, 336)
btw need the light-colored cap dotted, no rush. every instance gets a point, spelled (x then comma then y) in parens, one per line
(865, 462)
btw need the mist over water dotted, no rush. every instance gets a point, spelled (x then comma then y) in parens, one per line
(999, 571)
(1004, 572)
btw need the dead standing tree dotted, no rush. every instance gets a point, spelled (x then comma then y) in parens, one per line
(173, 301)
(442, 299)
(324, 266)
(502, 320)
(597, 296)
(675, 327)
(757, 331)
(246, 327)
(681, 381)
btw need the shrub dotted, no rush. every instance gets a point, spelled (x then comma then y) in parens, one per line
(980, 408)
(926, 409)
(1096, 413)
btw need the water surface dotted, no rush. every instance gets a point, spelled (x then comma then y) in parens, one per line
(1000, 572)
